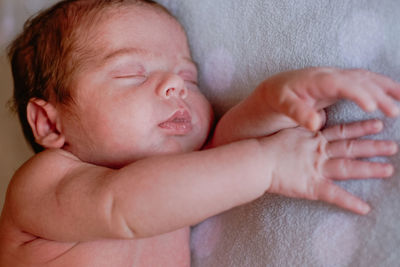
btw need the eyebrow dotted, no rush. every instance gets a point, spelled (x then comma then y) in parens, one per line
(124, 51)
(136, 51)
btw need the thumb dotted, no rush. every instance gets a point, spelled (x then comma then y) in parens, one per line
(298, 110)
(306, 116)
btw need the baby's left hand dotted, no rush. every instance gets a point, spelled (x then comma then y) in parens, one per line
(302, 94)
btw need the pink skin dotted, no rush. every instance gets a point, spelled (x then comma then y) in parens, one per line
(139, 97)
(335, 156)
(135, 106)
(298, 97)
(302, 94)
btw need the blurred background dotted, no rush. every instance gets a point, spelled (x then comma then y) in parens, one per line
(14, 149)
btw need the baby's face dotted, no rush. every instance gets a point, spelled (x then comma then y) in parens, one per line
(138, 97)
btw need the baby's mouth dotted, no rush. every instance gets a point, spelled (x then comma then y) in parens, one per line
(180, 123)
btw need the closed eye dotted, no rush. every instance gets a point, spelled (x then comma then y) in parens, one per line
(189, 76)
(125, 76)
(133, 79)
(192, 85)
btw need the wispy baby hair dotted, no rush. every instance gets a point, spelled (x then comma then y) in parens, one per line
(50, 50)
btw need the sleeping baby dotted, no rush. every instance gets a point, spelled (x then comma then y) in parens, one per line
(126, 159)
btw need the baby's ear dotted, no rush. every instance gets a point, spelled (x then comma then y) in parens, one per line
(44, 121)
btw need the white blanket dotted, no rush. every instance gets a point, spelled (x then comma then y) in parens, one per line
(237, 44)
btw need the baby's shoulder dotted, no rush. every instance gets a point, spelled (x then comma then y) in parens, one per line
(50, 162)
(42, 171)
(36, 178)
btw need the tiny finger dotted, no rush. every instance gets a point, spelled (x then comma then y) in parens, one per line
(360, 148)
(344, 169)
(390, 86)
(387, 105)
(384, 101)
(361, 97)
(352, 130)
(333, 194)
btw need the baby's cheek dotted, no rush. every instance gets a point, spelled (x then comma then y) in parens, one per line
(202, 115)
(335, 241)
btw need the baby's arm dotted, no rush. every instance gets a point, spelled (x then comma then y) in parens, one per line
(298, 97)
(57, 197)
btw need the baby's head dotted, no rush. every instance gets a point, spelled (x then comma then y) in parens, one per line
(110, 81)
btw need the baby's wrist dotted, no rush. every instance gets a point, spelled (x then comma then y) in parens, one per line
(266, 162)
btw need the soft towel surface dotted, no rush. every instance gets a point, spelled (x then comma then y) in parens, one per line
(237, 44)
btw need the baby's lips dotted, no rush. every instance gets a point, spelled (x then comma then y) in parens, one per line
(179, 123)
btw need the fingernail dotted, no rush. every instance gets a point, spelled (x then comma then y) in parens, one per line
(370, 107)
(366, 209)
(378, 125)
(315, 122)
(393, 148)
(389, 170)
(395, 111)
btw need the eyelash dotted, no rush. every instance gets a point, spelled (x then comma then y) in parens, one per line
(130, 76)
(191, 81)
(135, 80)
(144, 76)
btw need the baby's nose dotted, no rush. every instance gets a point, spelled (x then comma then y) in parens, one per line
(174, 86)
(176, 92)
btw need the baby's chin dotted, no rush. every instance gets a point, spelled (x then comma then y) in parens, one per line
(177, 147)
(122, 161)
(119, 158)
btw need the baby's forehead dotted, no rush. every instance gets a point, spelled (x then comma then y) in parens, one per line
(110, 15)
(102, 28)
(116, 30)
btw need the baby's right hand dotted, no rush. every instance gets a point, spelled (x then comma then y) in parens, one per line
(302, 94)
(306, 162)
